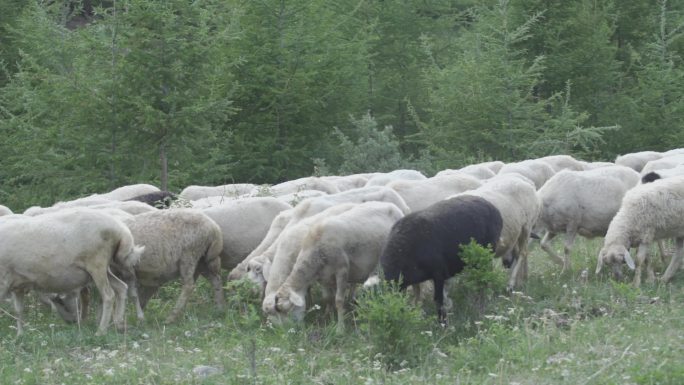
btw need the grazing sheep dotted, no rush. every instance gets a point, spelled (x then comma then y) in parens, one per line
(213, 201)
(515, 197)
(307, 183)
(419, 194)
(4, 210)
(193, 193)
(563, 162)
(494, 165)
(384, 178)
(424, 245)
(244, 223)
(80, 202)
(271, 268)
(663, 163)
(537, 171)
(336, 251)
(637, 160)
(347, 182)
(475, 170)
(158, 199)
(131, 207)
(179, 242)
(312, 206)
(293, 199)
(582, 202)
(649, 212)
(63, 252)
(592, 165)
(127, 192)
(662, 174)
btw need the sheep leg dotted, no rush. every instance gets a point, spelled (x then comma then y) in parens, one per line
(661, 250)
(567, 249)
(212, 272)
(341, 290)
(546, 246)
(144, 295)
(84, 296)
(439, 300)
(675, 261)
(101, 281)
(120, 291)
(18, 301)
(186, 291)
(650, 275)
(416, 294)
(642, 254)
(135, 296)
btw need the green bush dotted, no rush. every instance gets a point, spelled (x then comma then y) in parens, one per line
(479, 279)
(397, 331)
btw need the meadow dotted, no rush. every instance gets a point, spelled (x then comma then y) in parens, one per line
(559, 329)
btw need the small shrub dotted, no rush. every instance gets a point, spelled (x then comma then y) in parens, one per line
(392, 325)
(479, 279)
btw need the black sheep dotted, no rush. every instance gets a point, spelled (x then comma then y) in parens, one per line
(424, 245)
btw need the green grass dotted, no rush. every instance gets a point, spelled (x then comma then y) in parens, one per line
(558, 330)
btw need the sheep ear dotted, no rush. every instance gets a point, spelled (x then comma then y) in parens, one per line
(629, 261)
(599, 264)
(266, 268)
(296, 299)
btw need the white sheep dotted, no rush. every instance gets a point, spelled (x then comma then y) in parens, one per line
(475, 170)
(637, 160)
(662, 174)
(279, 259)
(420, 194)
(347, 182)
(244, 224)
(663, 163)
(537, 171)
(676, 151)
(649, 212)
(312, 206)
(63, 252)
(4, 210)
(516, 199)
(131, 207)
(307, 183)
(193, 193)
(179, 242)
(563, 162)
(336, 251)
(128, 192)
(581, 202)
(592, 165)
(80, 202)
(383, 178)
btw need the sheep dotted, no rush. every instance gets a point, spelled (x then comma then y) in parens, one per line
(80, 202)
(64, 251)
(419, 194)
(581, 202)
(159, 199)
(347, 182)
(563, 162)
(663, 163)
(244, 223)
(676, 151)
(537, 171)
(424, 245)
(213, 201)
(193, 193)
(515, 197)
(649, 212)
(295, 198)
(662, 173)
(131, 207)
(384, 178)
(128, 192)
(277, 261)
(179, 242)
(592, 165)
(336, 251)
(494, 165)
(307, 183)
(311, 206)
(637, 160)
(4, 210)
(474, 170)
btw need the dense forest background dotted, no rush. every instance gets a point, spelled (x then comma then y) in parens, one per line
(98, 94)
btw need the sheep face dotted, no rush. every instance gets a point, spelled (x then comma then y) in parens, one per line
(615, 256)
(257, 271)
(283, 305)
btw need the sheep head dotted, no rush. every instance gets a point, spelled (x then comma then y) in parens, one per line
(286, 301)
(614, 256)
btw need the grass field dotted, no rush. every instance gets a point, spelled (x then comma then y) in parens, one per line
(557, 330)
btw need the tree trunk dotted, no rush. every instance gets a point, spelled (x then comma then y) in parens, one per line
(164, 166)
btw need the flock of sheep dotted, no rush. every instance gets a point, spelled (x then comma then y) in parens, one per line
(337, 231)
